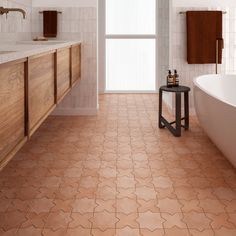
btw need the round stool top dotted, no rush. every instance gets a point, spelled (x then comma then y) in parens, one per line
(179, 89)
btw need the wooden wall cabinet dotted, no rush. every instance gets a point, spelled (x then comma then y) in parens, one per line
(63, 74)
(41, 89)
(75, 63)
(12, 109)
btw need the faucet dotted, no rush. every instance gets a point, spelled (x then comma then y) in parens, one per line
(4, 10)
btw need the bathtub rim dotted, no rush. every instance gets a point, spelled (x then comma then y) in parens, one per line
(197, 84)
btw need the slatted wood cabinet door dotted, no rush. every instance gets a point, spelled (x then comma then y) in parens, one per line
(75, 63)
(12, 107)
(41, 85)
(63, 72)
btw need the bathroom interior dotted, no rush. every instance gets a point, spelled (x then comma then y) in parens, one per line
(97, 137)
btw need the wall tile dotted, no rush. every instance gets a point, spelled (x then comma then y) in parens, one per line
(178, 48)
(77, 23)
(14, 27)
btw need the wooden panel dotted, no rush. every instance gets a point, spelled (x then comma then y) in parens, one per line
(41, 89)
(75, 63)
(12, 107)
(63, 72)
(10, 63)
(42, 54)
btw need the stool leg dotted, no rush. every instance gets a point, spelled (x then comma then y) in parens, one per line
(178, 114)
(186, 110)
(160, 108)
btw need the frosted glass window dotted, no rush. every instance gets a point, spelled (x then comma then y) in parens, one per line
(130, 17)
(130, 64)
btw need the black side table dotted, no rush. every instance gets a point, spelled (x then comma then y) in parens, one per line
(163, 122)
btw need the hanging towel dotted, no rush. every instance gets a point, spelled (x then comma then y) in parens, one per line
(50, 24)
(204, 28)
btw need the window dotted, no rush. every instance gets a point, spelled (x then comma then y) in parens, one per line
(130, 45)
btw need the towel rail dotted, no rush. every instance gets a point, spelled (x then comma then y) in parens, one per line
(184, 12)
(59, 12)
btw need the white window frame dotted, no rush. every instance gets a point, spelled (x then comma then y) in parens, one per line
(102, 49)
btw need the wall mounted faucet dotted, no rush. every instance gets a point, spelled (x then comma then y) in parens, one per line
(4, 10)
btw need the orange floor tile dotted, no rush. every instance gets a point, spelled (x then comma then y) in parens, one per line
(118, 174)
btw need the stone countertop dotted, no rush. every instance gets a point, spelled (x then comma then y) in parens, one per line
(11, 51)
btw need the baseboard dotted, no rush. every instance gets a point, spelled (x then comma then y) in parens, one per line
(192, 112)
(168, 101)
(75, 112)
(131, 92)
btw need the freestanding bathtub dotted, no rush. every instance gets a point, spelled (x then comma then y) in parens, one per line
(215, 103)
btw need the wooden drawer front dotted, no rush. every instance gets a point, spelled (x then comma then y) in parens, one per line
(41, 88)
(76, 63)
(63, 72)
(12, 107)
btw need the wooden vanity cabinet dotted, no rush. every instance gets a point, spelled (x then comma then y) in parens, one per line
(63, 73)
(41, 89)
(30, 88)
(12, 109)
(75, 63)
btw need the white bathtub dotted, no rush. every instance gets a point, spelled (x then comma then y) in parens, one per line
(215, 103)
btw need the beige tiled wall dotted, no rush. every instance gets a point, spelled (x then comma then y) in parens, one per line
(78, 23)
(178, 47)
(14, 27)
(81, 23)
(164, 36)
(163, 39)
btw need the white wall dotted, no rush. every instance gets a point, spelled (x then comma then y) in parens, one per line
(203, 3)
(164, 20)
(78, 21)
(14, 27)
(64, 3)
(163, 39)
(178, 40)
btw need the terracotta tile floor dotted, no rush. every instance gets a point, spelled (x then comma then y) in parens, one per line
(118, 174)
